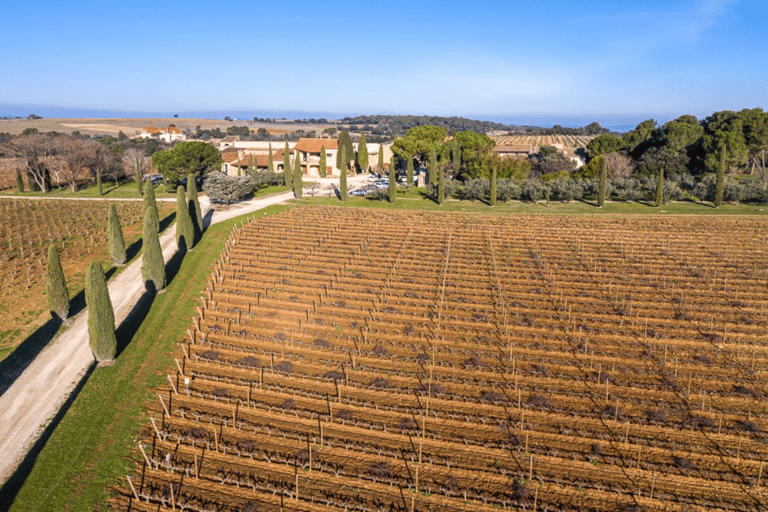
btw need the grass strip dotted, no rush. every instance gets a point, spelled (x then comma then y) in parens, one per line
(89, 451)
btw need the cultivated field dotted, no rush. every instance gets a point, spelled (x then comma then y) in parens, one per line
(565, 141)
(28, 227)
(369, 360)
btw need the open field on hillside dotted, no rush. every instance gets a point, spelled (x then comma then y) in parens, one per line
(566, 141)
(131, 126)
(387, 360)
(28, 227)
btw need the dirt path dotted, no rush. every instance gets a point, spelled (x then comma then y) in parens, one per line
(35, 397)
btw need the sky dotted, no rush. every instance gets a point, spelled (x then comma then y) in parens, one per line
(500, 60)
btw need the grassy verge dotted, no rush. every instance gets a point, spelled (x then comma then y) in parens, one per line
(125, 190)
(416, 199)
(266, 190)
(88, 452)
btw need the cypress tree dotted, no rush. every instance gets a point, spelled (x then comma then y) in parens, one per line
(31, 183)
(101, 316)
(493, 186)
(297, 180)
(380, 168)
(139, 182)
(433, 168)
(602, 184)
(440, 187)
(323, 163)
(392, 181)
(409, 171)
(98, 182)
(720, 179)
(287, 166)
(362, 154)
(660, 188)
(456, 153)
(116, 241)
(19, 182)
(343, 175)
(271, 164)
(150, 201)
(152, 263)
(195, 213)
(185, 231)
(56, 285)
(345, 141)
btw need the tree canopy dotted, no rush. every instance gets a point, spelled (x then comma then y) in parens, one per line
(472, 144)
(195, 157)
(419, 142)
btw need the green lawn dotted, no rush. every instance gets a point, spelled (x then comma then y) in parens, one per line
(88, 452)
(416, 199)
(125, 190)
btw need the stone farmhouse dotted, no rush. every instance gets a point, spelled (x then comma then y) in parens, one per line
(168, 134)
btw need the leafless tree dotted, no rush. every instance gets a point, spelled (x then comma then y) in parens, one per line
(34, 151)
(619, 166)
(133, 158)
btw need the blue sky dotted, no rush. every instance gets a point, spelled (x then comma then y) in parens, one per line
(492, 59)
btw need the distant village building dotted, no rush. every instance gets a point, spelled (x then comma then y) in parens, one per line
(517, 152)
(168, 134)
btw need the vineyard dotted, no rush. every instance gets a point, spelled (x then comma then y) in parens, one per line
(79, 230)
(565, 141)
(364, 360)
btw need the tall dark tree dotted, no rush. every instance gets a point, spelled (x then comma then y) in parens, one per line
(660, 188)
(345, 141)
(456, 154)
(287, 171)
(602, 184)
(433, 167)
(185, 231)
(720, 179)
(56, 286)
(152, 262)
(139, 179)
(362, 154)
(99, 186)
(195, 213)
(149, 200)
(101, 316)
(297, 180)
(115, 237)
(323, 163)
(19, 182)
(440, 187)
(392, 196)
(380, 166)
(409, 171)
(271, 162)
(342, 174)
(493, 186)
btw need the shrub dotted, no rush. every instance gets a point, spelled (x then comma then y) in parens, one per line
(475, 189)
(565, 189)
(224, 189)
(533, 190)
(507, 189)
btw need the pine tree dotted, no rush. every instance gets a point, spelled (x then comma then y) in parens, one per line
(139, 182)
(195, 213)
(185, 231)
(493, 186)
(362, 154)
(392, 181)
(602, 184)
(150, 201)
(56, 285)
(271, 164)
(380, 167)
(323, 163)
(440, 187)
(152, 263)
(116, 241)
(660, 188)
(720, 178)
(456, 153)
(19, 182)
(101, 316)
(297, 180)
(433, 168)
(287, 167)
(342, 175)
(98, 182)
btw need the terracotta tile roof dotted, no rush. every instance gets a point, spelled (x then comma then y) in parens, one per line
(152, 129)
(172, 129)
(314, 145)
(520, 148)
